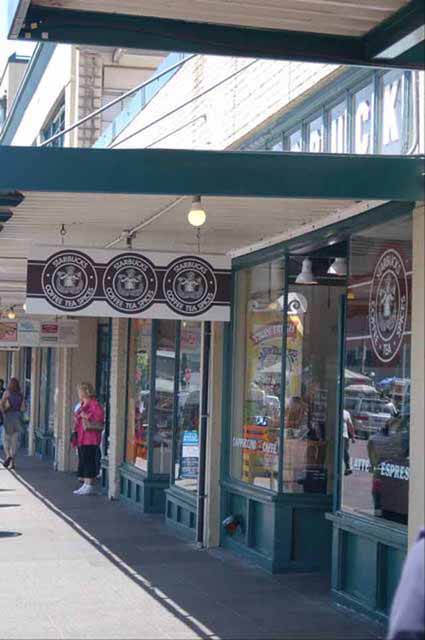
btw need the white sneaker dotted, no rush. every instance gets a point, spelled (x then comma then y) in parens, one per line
(84, 490)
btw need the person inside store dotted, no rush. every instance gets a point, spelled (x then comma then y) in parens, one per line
(89, 419)
(11, 406)
(347, 436)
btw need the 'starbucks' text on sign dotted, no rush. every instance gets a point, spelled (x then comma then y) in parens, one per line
(129, 284)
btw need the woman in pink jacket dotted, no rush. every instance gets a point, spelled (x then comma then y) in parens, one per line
(88, 426)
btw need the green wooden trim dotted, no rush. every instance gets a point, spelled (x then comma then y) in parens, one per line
(338, 231)
(389, 533)
(283, 378)
(392, 30)
(127, 370)
(338, 476)
(221, 173)
(152, 403)
(175, 403)
(182, 496)
(248, 490)
(119, 30)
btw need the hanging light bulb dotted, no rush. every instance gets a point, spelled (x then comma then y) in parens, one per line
(24, 307)
(196, 215)
(11, 314)
(306, 275)
(338, 267)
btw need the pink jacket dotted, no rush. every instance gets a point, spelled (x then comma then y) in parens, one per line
(93, 411)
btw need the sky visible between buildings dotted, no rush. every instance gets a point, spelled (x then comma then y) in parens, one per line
(8, 47)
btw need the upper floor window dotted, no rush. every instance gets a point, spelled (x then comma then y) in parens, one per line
(54, 125)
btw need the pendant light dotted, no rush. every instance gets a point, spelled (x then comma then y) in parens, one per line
(338, 267)
(306, 275)
(196, 215)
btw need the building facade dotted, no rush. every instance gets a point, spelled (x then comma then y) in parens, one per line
(238, 432)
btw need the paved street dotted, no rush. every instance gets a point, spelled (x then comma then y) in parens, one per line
(90, 568)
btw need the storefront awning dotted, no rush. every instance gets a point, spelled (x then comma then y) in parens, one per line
(384, 33)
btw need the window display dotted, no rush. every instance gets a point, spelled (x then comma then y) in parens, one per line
(377, 389)
(258, 375)
(188, 412)
(139, 393)
(164, 395)
(311, 388)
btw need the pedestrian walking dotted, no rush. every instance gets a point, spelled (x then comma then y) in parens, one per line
(407, 619)
(11, 405)
(88, 426)
(347, 435)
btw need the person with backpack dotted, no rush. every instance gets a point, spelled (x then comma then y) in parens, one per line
(11, 406)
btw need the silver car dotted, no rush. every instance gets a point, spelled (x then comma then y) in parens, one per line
(369, 415)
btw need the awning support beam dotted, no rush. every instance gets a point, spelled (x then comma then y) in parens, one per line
(119, 30)
(214, 173)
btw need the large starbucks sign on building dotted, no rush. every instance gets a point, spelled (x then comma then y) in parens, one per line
(363, 112)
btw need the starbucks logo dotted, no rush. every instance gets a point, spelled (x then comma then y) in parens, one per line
(69, 280)
(190, 286)
(388, 305)
(130, 283)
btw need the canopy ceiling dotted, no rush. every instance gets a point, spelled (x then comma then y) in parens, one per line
(97, 220)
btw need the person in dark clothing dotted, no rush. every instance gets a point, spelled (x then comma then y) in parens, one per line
(11, 406)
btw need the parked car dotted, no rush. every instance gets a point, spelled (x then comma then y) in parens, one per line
(369, 415)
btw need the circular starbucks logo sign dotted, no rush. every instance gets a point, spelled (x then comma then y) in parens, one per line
(69, 280)
(130, 283)
(388, 305)
(190, 286)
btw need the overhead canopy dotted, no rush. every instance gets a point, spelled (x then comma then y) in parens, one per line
(359, 32)
(97, 220)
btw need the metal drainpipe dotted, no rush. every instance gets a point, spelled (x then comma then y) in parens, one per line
(203, 424)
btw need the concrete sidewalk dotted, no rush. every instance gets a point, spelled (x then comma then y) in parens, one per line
(84, 567)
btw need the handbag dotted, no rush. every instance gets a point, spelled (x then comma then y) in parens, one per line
(74, 438)
(88, 425)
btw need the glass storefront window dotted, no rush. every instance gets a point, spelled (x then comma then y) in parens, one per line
(139, 393)
(338, 128)
(188, 411)
(48, 391)
(311, 387)
(258, 375)
(392, 112)
(164, 395)
(363, 104)
(377, 382)
(103, 375)
(316, 135)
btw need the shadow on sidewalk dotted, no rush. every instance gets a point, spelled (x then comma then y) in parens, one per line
(213, 593)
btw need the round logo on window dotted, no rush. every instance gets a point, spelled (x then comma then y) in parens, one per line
(69, 280)
(190, 286)
(388, 305)
(130, 283)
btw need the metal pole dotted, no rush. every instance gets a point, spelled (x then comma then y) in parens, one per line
(203, 425)
(116, 101)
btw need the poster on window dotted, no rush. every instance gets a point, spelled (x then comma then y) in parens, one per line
(36, 333)
(190, 455)
(131, 284)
